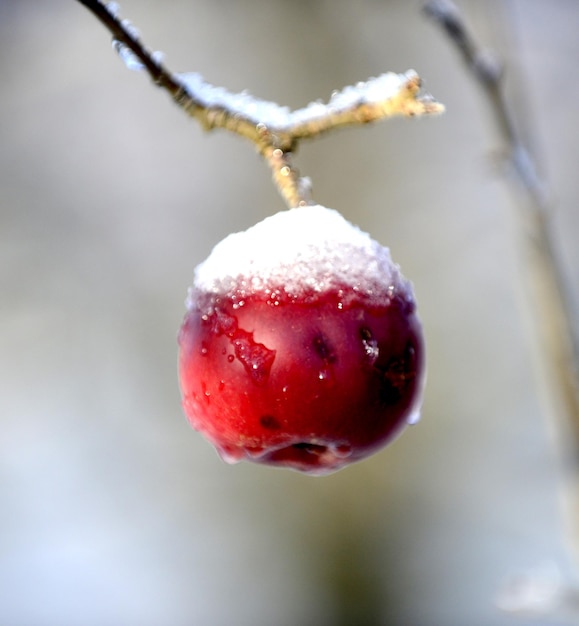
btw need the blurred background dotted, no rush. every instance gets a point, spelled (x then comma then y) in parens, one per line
(112, 510)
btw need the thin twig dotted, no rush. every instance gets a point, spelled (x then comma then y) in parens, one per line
(274, 130)
(123, 34)
(552, 301)
(489, 71)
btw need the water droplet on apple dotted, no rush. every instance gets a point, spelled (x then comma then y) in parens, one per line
(414, 417)
(370, 345)
(254, 452)
(341, 451)
(230, 454)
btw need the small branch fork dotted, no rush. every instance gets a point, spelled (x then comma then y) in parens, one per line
(274, 130)
(552, 303)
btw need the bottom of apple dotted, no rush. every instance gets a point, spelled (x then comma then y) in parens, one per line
(309, 458)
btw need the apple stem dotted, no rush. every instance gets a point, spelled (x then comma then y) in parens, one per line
(273, 129)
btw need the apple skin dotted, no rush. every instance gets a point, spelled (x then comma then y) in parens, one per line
(311, 384)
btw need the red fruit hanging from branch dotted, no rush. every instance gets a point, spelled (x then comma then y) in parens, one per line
(301, 347)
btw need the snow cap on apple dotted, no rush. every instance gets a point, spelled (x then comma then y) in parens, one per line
(300, 347)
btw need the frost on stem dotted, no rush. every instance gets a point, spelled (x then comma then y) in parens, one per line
(269, 126)
(277, 130)
(387, 95)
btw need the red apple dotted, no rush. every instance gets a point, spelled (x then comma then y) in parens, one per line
(300, 347)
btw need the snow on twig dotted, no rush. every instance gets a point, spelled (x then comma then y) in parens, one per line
(275, 130)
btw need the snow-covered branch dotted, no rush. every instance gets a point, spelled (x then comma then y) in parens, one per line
(385, 96)
(275, 130)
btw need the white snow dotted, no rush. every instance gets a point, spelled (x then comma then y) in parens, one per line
(261, 111)
(308, 249)
(374, 90)
(113, 8)
(131, 60)
(128, 57)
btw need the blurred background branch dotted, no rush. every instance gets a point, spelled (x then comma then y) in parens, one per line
(550, 297)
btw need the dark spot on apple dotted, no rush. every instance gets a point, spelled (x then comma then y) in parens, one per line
(323, 349)
(397, 375)
(269, 422)
(370, 345)
(310, 448)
